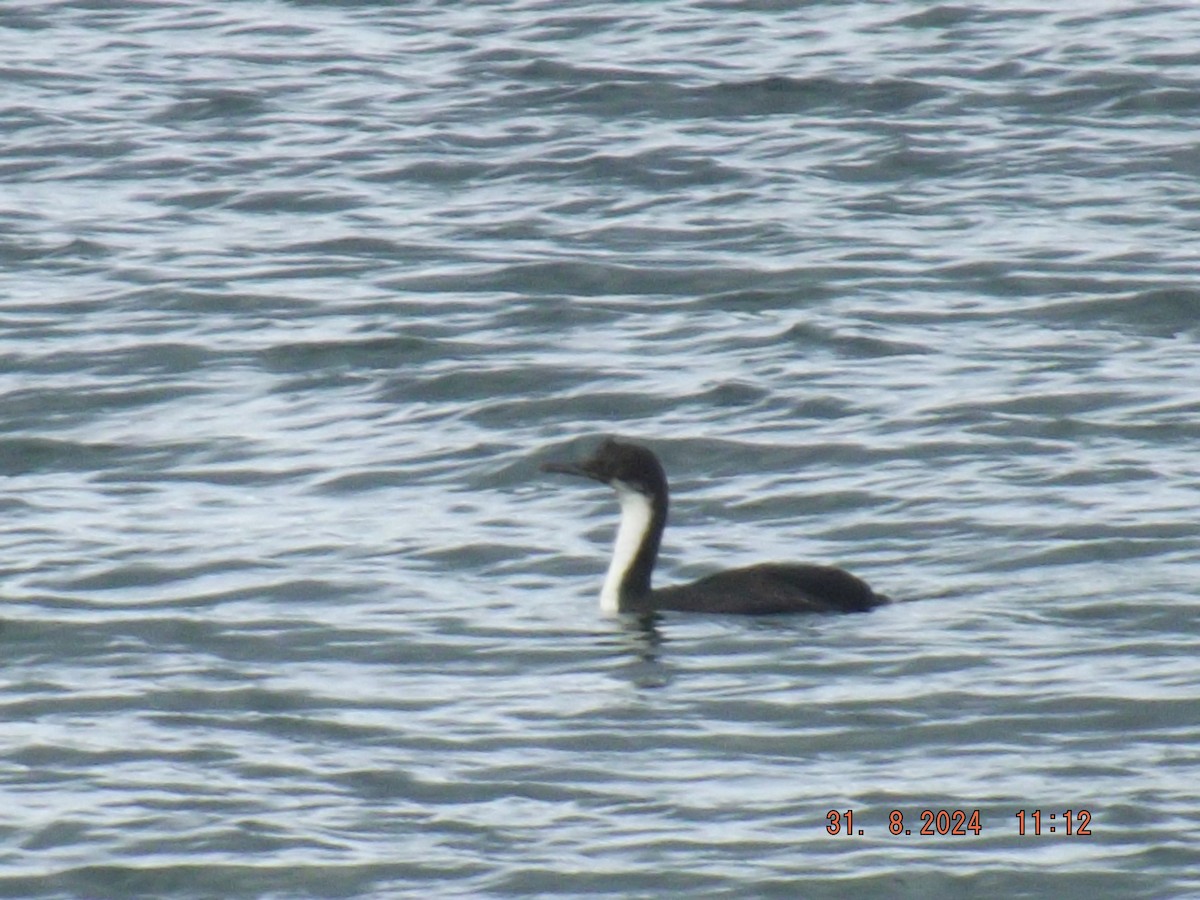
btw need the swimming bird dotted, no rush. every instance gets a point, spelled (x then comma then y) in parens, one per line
(635, 473)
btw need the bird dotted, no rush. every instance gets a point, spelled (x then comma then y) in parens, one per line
(640, 482)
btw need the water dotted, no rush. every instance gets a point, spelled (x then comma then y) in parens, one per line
(295, 297)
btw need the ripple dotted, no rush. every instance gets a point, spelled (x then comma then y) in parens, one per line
(294, 310)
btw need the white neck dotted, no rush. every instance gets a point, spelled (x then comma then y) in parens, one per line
(636, 514)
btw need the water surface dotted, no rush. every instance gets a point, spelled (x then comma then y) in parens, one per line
(295, 298)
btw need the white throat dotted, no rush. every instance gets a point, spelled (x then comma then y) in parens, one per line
(636, 515)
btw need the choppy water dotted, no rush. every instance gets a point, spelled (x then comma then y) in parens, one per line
(294, 298)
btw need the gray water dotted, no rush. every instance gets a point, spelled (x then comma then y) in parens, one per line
(295, 297)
